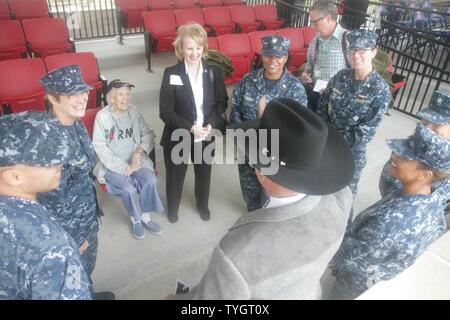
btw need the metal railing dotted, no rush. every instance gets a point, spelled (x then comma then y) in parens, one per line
(419, 47)
(88, 19)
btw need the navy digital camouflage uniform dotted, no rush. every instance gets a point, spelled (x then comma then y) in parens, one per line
(355, 107)
(38, 259)
(438, 112)
(386, 238)
(74, 202)
(244, 104)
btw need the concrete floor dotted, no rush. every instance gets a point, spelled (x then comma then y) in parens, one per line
(148, 269)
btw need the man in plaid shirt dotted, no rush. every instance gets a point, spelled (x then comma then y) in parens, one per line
(326, 54)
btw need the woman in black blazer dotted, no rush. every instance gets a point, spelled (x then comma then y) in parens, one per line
(192, 97)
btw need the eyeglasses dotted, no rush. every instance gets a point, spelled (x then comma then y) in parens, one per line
(359, 51)
(317, 20)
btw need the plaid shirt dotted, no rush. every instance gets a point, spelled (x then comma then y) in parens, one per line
(330, 58)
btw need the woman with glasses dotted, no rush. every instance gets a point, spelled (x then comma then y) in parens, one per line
(326, 52)
(74, 202)
(356, 99)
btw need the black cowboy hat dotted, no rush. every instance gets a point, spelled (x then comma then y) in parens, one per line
(313, 159)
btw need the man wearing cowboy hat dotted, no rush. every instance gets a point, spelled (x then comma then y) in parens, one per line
(282, 250)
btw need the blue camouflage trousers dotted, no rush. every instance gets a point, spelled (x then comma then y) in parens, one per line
(359, 155)
(89, 258)
(252, 191)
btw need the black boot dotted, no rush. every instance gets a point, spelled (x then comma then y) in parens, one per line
(173, 217)
(205, 214)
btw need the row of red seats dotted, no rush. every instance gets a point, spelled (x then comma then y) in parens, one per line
(145, 5)
(130, 11)
(162, 25)
(20, 89)
(23, 9)
(244, 49)
(39, 37)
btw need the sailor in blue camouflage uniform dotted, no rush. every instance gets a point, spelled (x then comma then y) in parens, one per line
(74, 202)
(386, 238)
(38, 259)
(437, 118)
(252, 94)
(356, 99)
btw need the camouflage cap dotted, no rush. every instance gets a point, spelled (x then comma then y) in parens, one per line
(362, 38)
(275, 46)
(438, 112)
(424, 145)
(28, 138)
(65, 80)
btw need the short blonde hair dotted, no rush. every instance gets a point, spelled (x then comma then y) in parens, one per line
(196, 32)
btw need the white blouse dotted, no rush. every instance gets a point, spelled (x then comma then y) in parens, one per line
(197, 90)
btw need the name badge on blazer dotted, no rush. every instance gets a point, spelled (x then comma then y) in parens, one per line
(175, 80)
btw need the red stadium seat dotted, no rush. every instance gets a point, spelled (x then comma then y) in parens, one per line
(308, 34)
(12, 41)
(267, 14)
(89, 120)
(209, 3)
(399, 82)
(130, 12)
(219, 19)
(245, 19)
(89, 69)
(297, 50)
(160, 4)
(5, 14)
(237, 47)
(47, 36)
(20, 89)
(161, 27)
(212, 43)
(255, 39)
(28, 9)
(184, 4)
(232, 2)
(183, 16)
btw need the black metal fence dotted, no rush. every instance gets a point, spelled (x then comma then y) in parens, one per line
(418, 39)
(88, 19)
